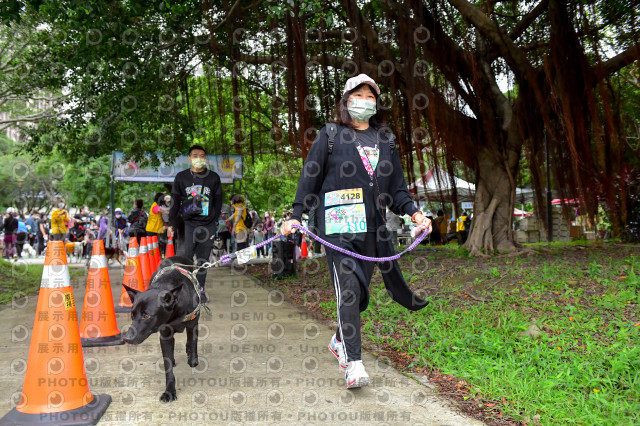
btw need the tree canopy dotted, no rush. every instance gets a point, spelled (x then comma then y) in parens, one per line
(465, 84)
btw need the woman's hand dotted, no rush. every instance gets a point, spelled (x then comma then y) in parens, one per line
(287, 227)
(420, 220)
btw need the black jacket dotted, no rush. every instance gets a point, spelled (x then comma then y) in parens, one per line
(10, 225)
(343, 169)
(138, 220)
(208, 185)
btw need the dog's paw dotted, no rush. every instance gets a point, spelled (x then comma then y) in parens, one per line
(168, 396)
(193, 362)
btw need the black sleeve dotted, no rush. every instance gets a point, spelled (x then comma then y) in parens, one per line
(176, 200)
(402, 203)
(133, 215)
(217, 197)
(312, 175)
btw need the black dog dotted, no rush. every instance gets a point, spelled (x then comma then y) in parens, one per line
(169, 306)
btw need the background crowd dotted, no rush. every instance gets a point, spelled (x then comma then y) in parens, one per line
(235, 231)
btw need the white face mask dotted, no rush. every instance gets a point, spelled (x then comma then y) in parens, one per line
(60, 205)
(361, 109)
(198, 163)
(118, 215)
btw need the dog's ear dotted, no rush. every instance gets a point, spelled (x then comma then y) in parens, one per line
(132, 292)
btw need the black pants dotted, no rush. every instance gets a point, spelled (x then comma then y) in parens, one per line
(351, 278)
(225, 237)
(22, 238)
(198, 240)
(40, 244)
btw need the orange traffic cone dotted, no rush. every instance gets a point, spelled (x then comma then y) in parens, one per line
(170, 249)
(55, 389)
(145, 262)
(152, 257)
(156, 247)
(98, 326)
(132, 276)
(304, 251)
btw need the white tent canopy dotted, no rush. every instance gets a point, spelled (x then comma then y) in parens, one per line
(437, 186)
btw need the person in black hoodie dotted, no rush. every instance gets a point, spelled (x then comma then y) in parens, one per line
(196, 197)
(350, 182)
(137, 221)
(10, 227)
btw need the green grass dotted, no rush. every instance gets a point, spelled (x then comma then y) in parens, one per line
(582, 368)
(18, 280)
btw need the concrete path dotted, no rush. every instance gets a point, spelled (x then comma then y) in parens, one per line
(262, 360)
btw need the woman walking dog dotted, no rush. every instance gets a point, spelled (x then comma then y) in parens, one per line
(351, 175)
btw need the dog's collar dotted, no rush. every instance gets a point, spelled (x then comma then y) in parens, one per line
(193, 314)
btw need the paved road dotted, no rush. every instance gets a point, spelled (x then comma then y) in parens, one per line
(262, 360)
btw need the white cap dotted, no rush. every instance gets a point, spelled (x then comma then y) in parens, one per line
(356, 81)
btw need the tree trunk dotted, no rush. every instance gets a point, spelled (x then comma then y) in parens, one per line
(491, 227)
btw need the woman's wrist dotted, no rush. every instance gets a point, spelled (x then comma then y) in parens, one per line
(413, 217)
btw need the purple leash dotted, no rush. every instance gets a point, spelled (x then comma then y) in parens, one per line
(229, 257)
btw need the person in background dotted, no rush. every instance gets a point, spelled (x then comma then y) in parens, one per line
(21, 234)
(137, 221)
(77, 231)
(164, 238)
(197, 201)
(269, 228)
(155, 224)
(441, 223)
(84, 214)
(59, 221)
(435, 237)
(238, 227)
(258, 237)
(121, 229)
(32, 228)
(255, 217)
(461, 227)
(10, 227)
(223, 230)
(42, 233)
(103, 226)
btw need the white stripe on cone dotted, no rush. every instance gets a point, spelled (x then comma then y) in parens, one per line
(98, 261)
(55, 276)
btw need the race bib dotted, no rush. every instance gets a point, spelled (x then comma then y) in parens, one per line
(343, 196)
(347, 219)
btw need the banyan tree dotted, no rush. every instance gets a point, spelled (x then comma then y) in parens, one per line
(471, 84)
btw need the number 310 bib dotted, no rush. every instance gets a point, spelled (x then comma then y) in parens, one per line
(344, 212)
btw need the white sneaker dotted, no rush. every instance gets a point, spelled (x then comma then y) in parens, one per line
(356, 376)
(337, 348)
